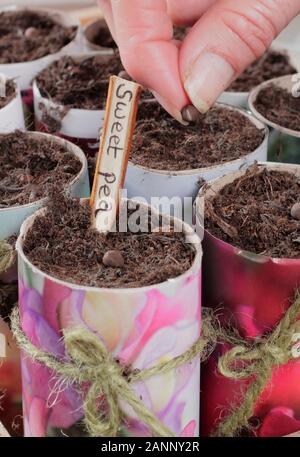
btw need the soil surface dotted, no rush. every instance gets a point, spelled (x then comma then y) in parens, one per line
(254, 213)
(29, 168)
(79, 85)
(27, 36)
(279, 106)
(271, 65)
(73, 251)
(162, 143)
(9, 94)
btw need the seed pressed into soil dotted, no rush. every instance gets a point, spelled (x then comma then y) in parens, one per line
(254, 213)
(162, 143)
(31, 167)
(63, 244)
(10, 93)
(26, 36)
(81, 85)
(271, 65)
(279, 106)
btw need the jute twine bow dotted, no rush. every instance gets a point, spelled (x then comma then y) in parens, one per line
(88, 362)
(7, 256)
(258, 360)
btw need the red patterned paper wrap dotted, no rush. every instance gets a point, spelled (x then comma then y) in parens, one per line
(252, 292)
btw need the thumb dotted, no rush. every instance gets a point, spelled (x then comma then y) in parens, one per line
(226, 40)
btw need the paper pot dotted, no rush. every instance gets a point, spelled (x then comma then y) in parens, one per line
(12, 115)
(148, 183)
(90, 31)
(284, 144)
(80, 126)
(240, 99)
(24, 72)
(139, 326)
(252, 292)
(11, 218)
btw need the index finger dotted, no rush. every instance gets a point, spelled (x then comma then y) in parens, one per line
(144, 32)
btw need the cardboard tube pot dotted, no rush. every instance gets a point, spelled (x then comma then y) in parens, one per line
(11, 218)
(89, 34)
(240, 99)
(151, 183)
(80, 126)
(284, 143)
(12, 115)
(24, 72)
(251, 292)
(140, 326)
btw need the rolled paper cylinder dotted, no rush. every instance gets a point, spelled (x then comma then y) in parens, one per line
(252, 292)
(24, 72)
(12, 115)
(91, 31)
(150, 183)
(140, 327)
(12, 217)
(284, 143)
(80, 126)
(240, 99)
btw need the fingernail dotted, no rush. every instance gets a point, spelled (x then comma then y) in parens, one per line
(210, 75)
(172, 109)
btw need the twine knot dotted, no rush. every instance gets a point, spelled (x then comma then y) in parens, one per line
(94, 364)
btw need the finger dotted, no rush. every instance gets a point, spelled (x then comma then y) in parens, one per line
(187, 12)
(228, 38)
(144, 33)
(106, 8)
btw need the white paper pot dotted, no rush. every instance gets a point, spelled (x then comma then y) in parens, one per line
(282, 139)
(11, 218)
(148, 183)
(24, 72)
(89, 32)
(12, 115)
(80, 126)
(240, 99)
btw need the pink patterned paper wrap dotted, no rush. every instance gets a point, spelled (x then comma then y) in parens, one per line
(140, 327)
(252, 292)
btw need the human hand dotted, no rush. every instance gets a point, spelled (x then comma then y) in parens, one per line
(226, 37)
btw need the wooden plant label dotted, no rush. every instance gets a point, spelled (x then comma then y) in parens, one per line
(115, 145)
